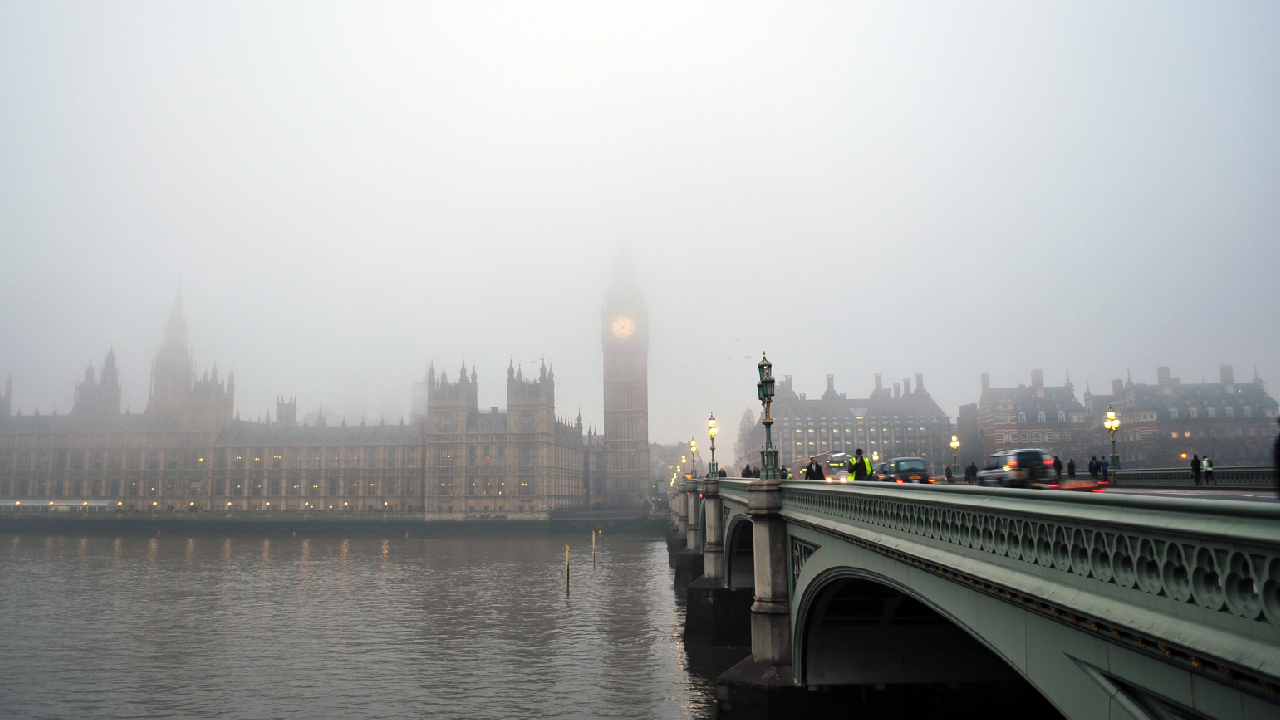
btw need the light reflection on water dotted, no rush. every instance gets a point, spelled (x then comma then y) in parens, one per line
(477, 628)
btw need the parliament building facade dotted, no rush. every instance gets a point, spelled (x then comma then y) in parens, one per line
(189, 451)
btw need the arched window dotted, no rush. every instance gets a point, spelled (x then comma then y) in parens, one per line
(1193, 413)
(1211, 411)
(1173, 413)
(1040, 418)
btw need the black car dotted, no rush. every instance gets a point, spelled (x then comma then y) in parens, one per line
(906, 470)
(1027, 467)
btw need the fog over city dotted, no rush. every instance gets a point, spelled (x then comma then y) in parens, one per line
(346, 193)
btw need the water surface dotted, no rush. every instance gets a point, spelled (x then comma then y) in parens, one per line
(253, 628)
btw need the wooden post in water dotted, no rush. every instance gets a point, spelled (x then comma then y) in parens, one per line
(566, 569)
(593, 549)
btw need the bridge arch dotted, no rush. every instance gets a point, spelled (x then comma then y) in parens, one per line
(858, 627)
(739, 553)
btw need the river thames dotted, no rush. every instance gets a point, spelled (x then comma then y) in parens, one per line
(269, 628)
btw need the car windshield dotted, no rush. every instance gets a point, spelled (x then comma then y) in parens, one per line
(912, 465)
(1030, 457)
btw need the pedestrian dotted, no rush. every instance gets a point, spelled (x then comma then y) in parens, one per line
(859, 466)
(1093, 467)
(1195, 469)
(1104, 466)
(1057, 468)
(723, 473)
(813, 471)
(947, 475)
(1071, 469)
(973, 472)
(746, 471)
(1207, 466)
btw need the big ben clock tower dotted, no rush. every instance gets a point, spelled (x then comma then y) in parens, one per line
(624, 335)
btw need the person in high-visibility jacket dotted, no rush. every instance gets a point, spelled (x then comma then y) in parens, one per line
(859, 466)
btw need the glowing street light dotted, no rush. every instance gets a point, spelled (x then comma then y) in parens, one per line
(1112, 424)
(713, 470)
(955, 446)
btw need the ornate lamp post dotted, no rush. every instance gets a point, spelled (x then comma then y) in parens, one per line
(1112, 424)
(875, 456)
(764, 389)
(713, 470)
(955, 446)
(693, 459)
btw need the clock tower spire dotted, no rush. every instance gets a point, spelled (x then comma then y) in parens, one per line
(624, 337)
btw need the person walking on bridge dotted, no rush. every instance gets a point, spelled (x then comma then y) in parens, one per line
(1104, 466)
(1195, 469)
(859, 466)
(1207, 466)
(1093, 467)
(813, 471)
(1071, 469)
(1057, 468)
(971, 474)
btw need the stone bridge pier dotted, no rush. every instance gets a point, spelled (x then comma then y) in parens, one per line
(972, 602)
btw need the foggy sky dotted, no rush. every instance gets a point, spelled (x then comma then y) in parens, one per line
(347, 192)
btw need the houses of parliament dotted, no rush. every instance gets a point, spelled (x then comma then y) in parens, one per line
(189, 451)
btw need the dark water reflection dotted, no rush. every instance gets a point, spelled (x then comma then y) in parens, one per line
(475, 628)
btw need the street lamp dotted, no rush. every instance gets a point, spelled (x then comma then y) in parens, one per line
(955, 446)
(875, 456)
(764, 390)
(1112, 424)
(693, 458)
(713, 470)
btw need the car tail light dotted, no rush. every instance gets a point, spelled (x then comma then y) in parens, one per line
(899, 480)
(1103, 482)
(1013, 463)
(1053, 486)
(932, 480)
(1098, 490)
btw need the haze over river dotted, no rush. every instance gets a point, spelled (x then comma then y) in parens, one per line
(253, 628)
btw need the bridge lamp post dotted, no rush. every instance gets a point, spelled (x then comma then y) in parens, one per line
(713, 538)
(693, 540)
(955, 446)
(1112, 424)
(713, 469)
(764, 390)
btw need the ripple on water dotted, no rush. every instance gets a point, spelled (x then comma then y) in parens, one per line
(230, 628)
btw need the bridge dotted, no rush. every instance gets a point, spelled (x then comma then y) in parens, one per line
(1108, 605)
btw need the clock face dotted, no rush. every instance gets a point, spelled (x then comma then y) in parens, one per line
(622, 327)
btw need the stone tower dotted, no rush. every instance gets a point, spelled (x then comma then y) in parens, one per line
(173, 371)
(624, 335)
(101, 397)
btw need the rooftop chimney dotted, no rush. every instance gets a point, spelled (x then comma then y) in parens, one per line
(986, 382)
(878, 385)
(831, 383)
(897, 390)
(1163, 375)
(906, 386)
(1117, 387)
(1037, 379)
(1228, 375)
(919, 382)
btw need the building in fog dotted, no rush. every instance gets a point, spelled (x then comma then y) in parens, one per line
(190, 451)
(902, 422)
(1040, 416)
(1161, 425)
(1165, 424)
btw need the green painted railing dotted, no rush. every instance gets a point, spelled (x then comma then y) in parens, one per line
(1229, 477)
(1222, 555)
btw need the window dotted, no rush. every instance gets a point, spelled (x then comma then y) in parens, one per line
(1231, 412)
(1248, 411)
(1062, 416)
(1212, 412)
(1193, 413)
(1173, 413)
(1022, 417)
(1040, 416)
(1173, 434)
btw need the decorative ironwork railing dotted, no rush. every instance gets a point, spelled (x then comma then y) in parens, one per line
(1220, 555)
